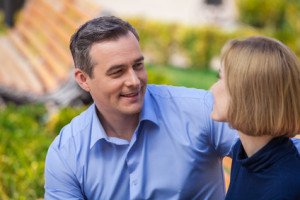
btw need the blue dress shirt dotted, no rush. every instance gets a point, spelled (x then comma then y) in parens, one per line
(175, 152)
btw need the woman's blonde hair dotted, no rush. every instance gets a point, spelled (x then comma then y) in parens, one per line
(262, 76)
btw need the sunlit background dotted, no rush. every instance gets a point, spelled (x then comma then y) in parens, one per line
(181, 41)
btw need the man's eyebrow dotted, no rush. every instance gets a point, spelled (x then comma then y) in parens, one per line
(139, 59)
(114, 67)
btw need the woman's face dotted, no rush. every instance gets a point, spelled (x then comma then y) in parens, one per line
(221, 97)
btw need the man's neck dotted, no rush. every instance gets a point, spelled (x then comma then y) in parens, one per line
(120, 126)
(252, 144)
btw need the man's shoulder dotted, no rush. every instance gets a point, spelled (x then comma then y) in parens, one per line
(168, 91)
(296, 141)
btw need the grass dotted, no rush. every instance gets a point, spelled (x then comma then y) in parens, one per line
(191, 77)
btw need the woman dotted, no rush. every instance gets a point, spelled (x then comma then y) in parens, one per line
(258, 93)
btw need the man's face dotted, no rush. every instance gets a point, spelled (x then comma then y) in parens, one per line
(119, 76)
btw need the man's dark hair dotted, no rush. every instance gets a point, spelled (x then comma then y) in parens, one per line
(100, 29)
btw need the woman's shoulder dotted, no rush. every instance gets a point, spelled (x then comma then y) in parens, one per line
(289, 176)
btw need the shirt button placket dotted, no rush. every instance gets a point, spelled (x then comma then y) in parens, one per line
(133, 176)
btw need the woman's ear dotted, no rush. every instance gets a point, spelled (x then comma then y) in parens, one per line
(81, 78)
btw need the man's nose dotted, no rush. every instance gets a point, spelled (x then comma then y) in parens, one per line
(132, 78)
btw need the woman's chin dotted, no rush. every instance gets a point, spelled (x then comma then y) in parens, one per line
(217, 117)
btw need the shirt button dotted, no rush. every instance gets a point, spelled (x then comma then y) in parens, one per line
(134, 182)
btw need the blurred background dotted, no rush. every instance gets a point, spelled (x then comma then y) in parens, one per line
(181, 41)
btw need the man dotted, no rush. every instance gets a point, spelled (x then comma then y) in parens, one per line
(135, 141)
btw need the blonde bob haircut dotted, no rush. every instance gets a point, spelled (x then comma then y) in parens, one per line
(262, 76)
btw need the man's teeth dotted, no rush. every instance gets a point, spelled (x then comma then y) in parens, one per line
(130, 95)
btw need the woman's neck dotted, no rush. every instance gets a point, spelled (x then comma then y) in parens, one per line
(252, 144)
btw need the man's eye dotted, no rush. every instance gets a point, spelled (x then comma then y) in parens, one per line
(117, 72)
(138, 65)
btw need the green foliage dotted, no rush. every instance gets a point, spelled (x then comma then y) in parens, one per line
(262, 13)
(277, 18)
(201, 44)
(197, 44)
(156, 38)
(62, 117)
(158, 77)
(3, 27)
(23, 147)
(194, 78)
(26, 134)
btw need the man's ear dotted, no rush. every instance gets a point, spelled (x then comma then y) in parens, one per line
(81, 78)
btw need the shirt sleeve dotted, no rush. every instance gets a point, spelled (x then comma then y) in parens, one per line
(296, 142)
(60, 180)
(222, 137)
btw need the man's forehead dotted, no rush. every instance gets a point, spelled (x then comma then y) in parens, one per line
(124, 51)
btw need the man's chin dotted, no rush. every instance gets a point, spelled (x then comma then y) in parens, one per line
(132, 109)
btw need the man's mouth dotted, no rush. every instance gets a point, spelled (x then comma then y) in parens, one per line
(130, 94)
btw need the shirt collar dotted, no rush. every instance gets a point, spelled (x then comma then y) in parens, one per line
(97, 130)
(269, 154)
(148, 114)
